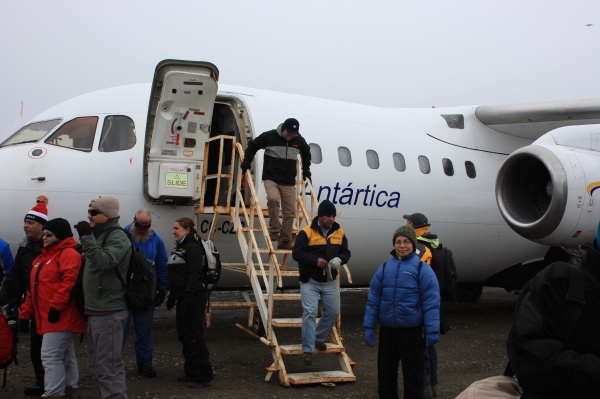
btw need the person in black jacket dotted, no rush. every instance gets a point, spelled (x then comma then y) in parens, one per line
(553, 354)
(282, 146)
(188, 295)
(320, 249)
(29, 249)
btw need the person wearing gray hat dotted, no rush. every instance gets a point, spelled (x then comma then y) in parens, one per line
(282, 146)
(107, 251)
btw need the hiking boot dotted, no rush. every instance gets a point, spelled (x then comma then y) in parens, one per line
(184, 378)
(285, 244)
(34, 390)
(194, 384)
(307, 358)
(70, 392)
(320, 345)
(147, 371)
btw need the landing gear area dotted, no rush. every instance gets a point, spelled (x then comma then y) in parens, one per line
(469, 292)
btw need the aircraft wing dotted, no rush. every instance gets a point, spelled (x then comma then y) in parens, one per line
(532, 120)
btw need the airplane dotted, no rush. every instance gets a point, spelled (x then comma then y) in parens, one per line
(501, 184)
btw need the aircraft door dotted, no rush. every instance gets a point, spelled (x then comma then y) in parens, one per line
(178, 124)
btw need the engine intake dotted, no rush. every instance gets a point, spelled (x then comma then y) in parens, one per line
(531, 191)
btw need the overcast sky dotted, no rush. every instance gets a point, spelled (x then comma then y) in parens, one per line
(383, 53)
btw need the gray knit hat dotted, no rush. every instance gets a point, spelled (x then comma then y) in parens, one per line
(108, 204)
(408, 232)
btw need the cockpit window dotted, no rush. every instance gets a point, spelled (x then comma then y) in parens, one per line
(31, 133)
(77, 134)
(118, 134)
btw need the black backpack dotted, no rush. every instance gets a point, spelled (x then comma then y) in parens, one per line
(442, 263)
(141, 283)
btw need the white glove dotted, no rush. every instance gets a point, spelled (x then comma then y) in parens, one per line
(335, 263)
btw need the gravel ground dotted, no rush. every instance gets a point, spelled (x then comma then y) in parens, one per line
(474, 349)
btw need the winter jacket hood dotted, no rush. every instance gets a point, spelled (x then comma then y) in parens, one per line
(53, 275)
(404, 293)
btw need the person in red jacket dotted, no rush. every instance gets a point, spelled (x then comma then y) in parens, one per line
(48, 301)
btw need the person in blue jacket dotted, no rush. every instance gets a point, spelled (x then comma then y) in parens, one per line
(153, 248)
(404, 298)
(6, 266)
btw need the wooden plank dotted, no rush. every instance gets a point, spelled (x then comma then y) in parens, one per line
(317, 377)
(285, 297)
(297, 349)
(288, 322)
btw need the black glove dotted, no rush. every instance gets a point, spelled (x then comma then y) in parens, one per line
(170, 302)
(83, 228)
(307, 175)
(53, 315)
(160, 297)
(245, 166)
(12, 309)
(24, 326)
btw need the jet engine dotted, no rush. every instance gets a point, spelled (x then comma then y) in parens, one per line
(547, 191)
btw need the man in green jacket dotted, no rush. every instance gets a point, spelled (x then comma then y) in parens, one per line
(105, 295)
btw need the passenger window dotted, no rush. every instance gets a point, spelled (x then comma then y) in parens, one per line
(118, 134)
(470, 169)
(448, 167)
(315, 153)
(372, 159)
(424, 164)
(344, 156)
(77, 134)
(399, 163)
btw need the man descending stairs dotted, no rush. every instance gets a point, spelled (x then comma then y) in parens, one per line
(320, 249)
(282, 146)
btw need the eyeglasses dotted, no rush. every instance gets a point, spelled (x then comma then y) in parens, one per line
(94, 212)
(47, 235)
(403, 242)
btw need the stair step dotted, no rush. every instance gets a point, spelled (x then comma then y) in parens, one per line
(297, 349)
(317, 377)
(284, 297)
(288, 322)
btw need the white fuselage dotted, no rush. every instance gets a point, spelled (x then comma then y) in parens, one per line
(462, 210)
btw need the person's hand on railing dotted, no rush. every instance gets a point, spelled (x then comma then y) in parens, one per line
(245, 166)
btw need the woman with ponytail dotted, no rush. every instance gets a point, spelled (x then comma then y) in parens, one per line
(188, 295)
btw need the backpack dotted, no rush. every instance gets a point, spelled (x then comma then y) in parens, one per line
(141, 284)
(211, 264)
(442, 263)
(9, 346)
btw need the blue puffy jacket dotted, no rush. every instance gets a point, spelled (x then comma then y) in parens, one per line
(401, 296)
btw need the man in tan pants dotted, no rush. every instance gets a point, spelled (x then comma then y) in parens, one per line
(281, 145)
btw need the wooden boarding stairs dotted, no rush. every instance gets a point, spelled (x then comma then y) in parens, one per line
(266, 266)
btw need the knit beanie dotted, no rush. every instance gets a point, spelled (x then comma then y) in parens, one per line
(408, 232)
(326, 208)
(107, 204)
(38, 213)
(60, 227)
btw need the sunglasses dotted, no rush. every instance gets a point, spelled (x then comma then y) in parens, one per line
(141, 226)
(47, 235)
(94, 212)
